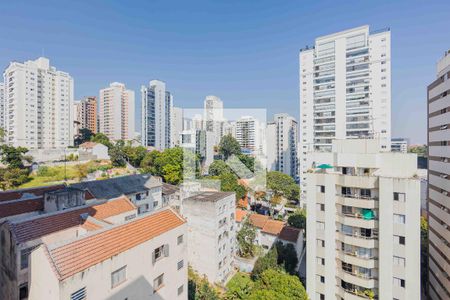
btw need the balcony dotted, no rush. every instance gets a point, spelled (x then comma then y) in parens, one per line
(357, 200)
(359, 279)
(354, 258)
(357, 239)
(357, 220)
(352, 294)
(364, 182)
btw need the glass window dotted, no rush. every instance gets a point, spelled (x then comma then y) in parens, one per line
(180, 264)
(158, 282)
(399, 197)
(79, 295)
(180, 289)
(118, 276)
(179, 239)
(399, 219)
(399, 261)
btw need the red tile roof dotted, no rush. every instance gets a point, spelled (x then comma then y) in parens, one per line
(88, 145)
(88, 251)
(240, 215)
(290, 234)
(273, 227)
(90, 226)
(258, 220)
(46, 224)
(36, 191)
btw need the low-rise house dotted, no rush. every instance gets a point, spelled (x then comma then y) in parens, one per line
(171, 196)
(211, 233)
(120, 262)
(92, 150)
(267, 230)
(19, 237)
(144, 190)
(240, 216)
(293, 236)
(29, 202)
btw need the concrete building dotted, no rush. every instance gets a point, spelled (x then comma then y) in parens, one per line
(213, 117)
(157, 106)
(202, 143)
(177, 125)
(363, 223)
(211, 233)
(86, 113)
(248, 134)
(117, 112)
(439, 181)
(282, 142)
(399, 145)
(39, 99)
(92, 151)
(144, 190)
(65, 220)
(149, 264)
(2, 105)
(345, 91)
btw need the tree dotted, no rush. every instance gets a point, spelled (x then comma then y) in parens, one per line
(424, 252)
(420, 150)
(287, 257)
(102, 139)
(13, 177)
(85, 135)
(218, 167)
(13, 157)
(229, 183)
(228, 146)
(268, 261)
(283, 184)
(134, 155)
(148, 163)
(81, 171)
(275, 284)
(199, 287)
(246, 238)
(116, 155)
(298, 219)
(239, 287)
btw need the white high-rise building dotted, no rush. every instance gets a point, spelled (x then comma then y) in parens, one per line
(2, 105)
(157, 106)
(345, 90)
(38, 105)
(213, 117)
(399, 145)
(116, 112)
(249, 134)
(282, 143)
(177, 125)
(363, 223)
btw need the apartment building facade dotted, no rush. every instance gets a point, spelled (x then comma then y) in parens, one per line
(2, 105)
(282, 143)
(38, 103)
(439, 181)
(117, 112)
(363, 223)
(86, 113)
(345, 90)
(399, 145)
(149, 264)
(211, 233)
(249, 134)
(213, 119)
(157, 106)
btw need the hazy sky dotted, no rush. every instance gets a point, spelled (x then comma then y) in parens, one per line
(245, 52)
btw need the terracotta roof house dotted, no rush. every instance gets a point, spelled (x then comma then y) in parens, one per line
(23, 235)
(142, 259)
(240, 215)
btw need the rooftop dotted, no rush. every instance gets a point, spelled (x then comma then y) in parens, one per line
(290, 234)
(28, 193)
(124, 185)
(240, 215)
(258, 220)
(85, 252)
(169, 189)
(36, 227)
(209, 196)
(88, 145)
(273, 227)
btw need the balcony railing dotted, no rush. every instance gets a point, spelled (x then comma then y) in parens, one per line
(358, 235)
(357, 196)
(355, 254)
(360, 275)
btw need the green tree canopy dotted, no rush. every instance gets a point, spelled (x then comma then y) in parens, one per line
(13, 157)
(283, 184)
(298, 219)
(268, 261)
(117, 155)
(287, 257)
(199, 288)
(420, 150)
(13, 177)
(275, 284)
(218, 167)
(85, 135)
(246, 239)
(134, 155)
(228, 146)
(102, 139)
(239, 287)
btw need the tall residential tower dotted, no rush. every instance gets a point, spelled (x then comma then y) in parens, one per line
(439, 181)
(345, 90)
(38, 105)
(116, 112)
(157, 106)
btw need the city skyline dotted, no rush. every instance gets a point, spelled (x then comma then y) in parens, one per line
(245, 47)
